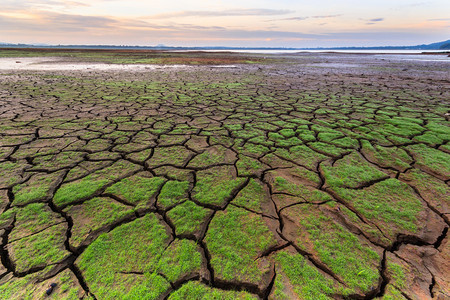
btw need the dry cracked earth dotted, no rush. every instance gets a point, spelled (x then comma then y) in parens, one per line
(311, 176)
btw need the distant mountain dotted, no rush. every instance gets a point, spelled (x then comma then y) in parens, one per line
(445, 45)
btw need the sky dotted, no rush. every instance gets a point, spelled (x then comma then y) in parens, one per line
(244, 23)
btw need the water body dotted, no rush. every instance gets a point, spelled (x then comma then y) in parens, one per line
(281, 51)
(404, 55)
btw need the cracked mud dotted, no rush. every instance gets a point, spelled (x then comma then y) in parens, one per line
(308, 176)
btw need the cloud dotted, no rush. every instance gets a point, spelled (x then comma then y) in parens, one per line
(43, 26)
(326, 17)
(292, 19)
(222, 13)
(443, 19)
(412, 5)
(39, 4)
(306, 18)
(45, 21)
(372, 21)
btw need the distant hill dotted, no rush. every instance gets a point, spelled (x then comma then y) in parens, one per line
(445, 45)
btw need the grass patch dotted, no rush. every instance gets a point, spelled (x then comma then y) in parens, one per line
(306, 281)
(215, 185)
(173, 192)
(89, 185)
(356, 263)
(235, 239)
(188, 218)
(133, 247)
(391, 204)
(200, 291)
(352, 171)
(38, 250)
(137, 189)
(93, 215)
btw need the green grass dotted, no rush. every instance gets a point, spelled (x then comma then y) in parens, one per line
(173, 192)
(10, 173)
(351, 171)
(301, 155)
(387, 156)
(38, 188)
(306, 193)
(235, 239)
(306, 280)
(398, 282)
(215, 185)
(93, 215)
(140, 156)
(252, 196)
(199, 291)
(354, 262)
(432, 159)
(175, 155)
(38, 250)
(33, 218)
(391, 204)
(179, 260)
(327, 149)
(29, 287)
(212, 156)
(431, 189)
(280, 129)
(137, 189)
(89, 185)
(248, 166)
(188, 217)
(133, 247)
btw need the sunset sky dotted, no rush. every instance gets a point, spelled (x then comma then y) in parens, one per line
(262, 23)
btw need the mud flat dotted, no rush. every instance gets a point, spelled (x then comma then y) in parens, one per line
(196, 175)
